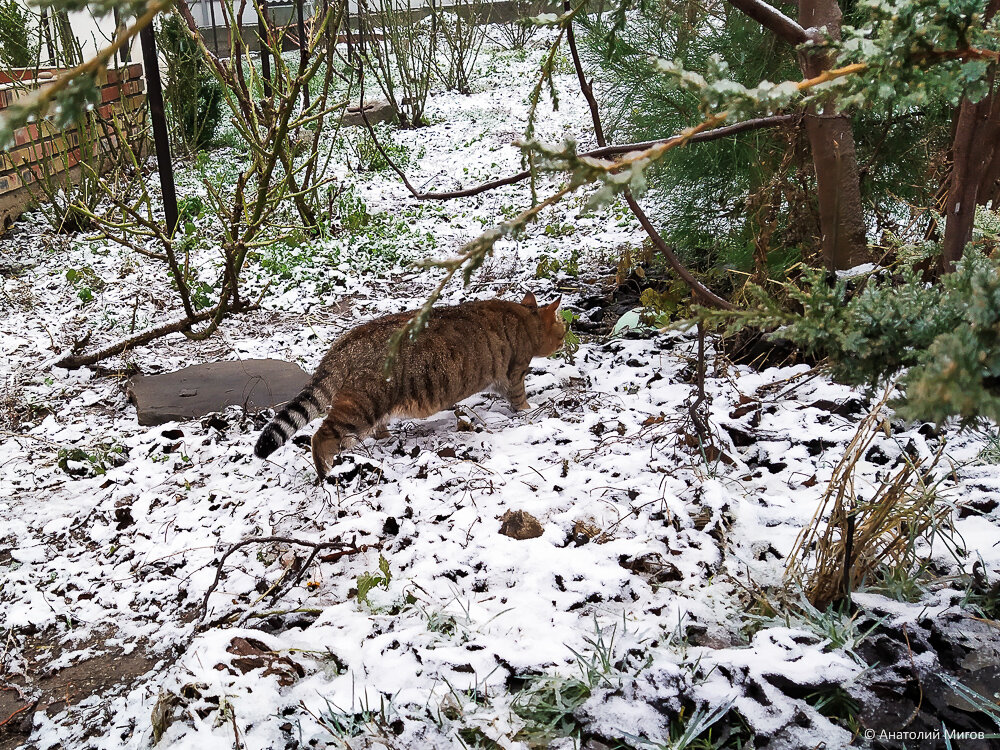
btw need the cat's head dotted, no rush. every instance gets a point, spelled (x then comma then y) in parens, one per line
(550, 323)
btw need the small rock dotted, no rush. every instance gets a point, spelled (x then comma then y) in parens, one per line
(375, 112)
(520, 525)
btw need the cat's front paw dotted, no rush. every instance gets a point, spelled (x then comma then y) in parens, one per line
(522, 405)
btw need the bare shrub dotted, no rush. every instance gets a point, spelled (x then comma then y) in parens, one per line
(401, 53)
(461, 39)
(515, 34)
(254, 207)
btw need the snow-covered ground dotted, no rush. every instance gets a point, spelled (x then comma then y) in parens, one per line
(638, 588)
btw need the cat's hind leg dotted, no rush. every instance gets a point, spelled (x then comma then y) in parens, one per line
(350, 419)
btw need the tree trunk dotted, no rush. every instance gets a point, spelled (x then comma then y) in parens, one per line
(831, 140)
(974, 167)
(989, 186)
(972, 153)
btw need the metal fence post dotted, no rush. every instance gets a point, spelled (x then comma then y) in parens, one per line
(154, 97)
(215, 32)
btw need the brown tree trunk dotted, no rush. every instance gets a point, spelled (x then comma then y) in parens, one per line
(989, 186)
(831, 140)
(972, 151)
(973, 168)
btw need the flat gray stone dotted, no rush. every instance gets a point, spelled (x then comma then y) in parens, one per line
(375, 111)
(195, 391)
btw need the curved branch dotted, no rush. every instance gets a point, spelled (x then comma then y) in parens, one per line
(73, 361)
(698, 290)
(774, 20)
(746, 126)
(586, 87)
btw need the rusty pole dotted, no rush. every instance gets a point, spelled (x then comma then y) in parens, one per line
(215, 31)
(303, 51)
(265, 55)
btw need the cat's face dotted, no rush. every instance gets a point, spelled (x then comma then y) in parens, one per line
(551, 324)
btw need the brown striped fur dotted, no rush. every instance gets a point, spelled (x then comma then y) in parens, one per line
(463, 350)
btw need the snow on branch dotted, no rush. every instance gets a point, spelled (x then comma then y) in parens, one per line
(773, 19)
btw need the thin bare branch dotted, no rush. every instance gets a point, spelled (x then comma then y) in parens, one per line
(344, 547)
(586, 87)
(599, 153)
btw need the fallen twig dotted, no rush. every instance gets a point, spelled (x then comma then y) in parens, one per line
(343, 547)
(17, 712)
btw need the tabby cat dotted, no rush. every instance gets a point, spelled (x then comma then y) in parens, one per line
(464, 349)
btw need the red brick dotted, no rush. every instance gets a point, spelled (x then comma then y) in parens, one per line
(10, 182)
(110, 94)
(21, 155)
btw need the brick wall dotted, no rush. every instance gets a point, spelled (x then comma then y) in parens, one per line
(40, 149)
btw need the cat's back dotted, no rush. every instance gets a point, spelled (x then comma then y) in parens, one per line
(484, 330)
(477, 329)
(480, 315)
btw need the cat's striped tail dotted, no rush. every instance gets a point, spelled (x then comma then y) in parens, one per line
(295, 415)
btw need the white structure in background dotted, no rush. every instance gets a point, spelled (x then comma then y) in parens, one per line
(281, 11)
(92, 32)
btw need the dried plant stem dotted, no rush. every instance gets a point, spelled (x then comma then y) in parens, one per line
(849, 539)
(344, 548)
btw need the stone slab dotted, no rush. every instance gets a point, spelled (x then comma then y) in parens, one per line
(375, 111)
(195, 391)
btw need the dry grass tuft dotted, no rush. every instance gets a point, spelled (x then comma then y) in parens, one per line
(850, 538)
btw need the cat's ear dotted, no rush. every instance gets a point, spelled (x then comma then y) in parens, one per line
(529, 300)
(554, 305)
